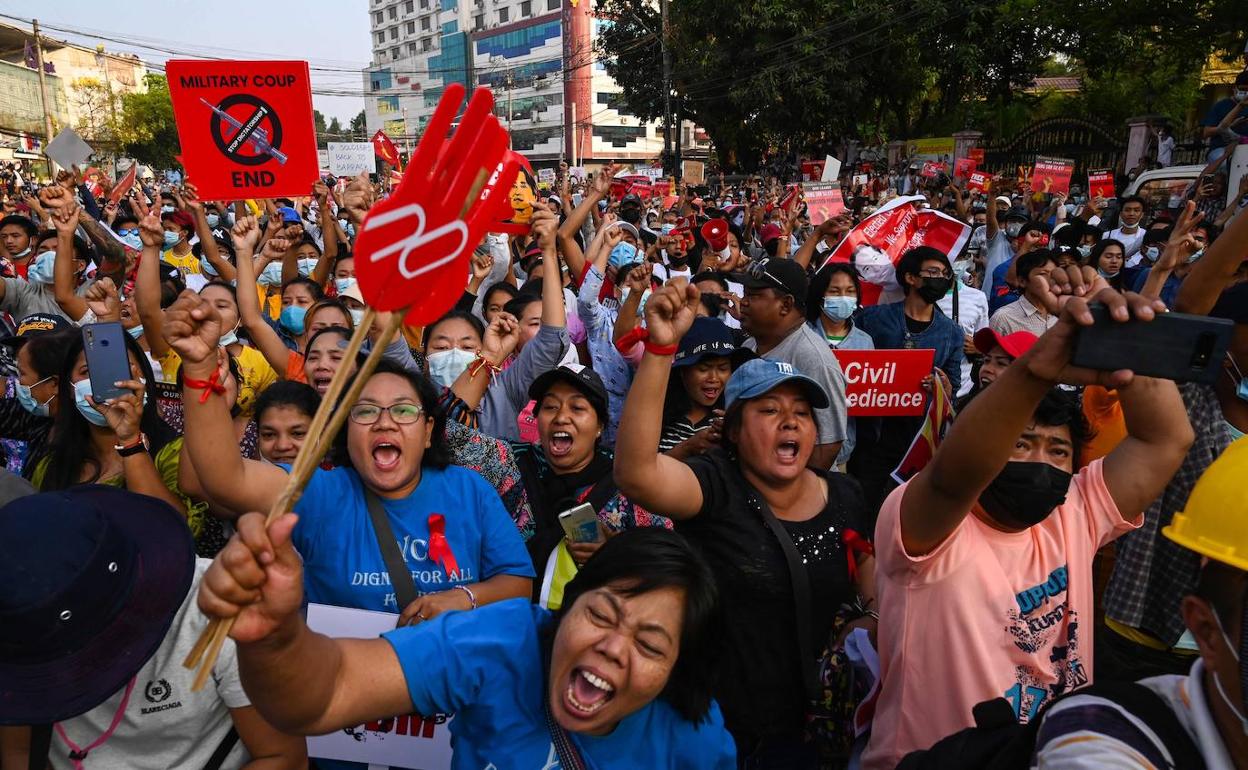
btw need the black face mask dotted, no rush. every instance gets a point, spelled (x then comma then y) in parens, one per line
(630, 214)
(932, 289)
(1024, 493)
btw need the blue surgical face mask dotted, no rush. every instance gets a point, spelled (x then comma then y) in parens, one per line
(839, 308)
(206, 267)
(271, 275)
(171, 239)
(357, 316)
(229, 338)
(622, 254)
(135, 331)
(1241, 388)
(292, 318)
(22, 253)
(133, 241)
(445, 366)
(641, 306)
(166, 209)
(1197, 254)
(1151, 253)
(1107, 275)
(213, 220)
(1084, 251)
(41, 267)
(27, 399)
(1234, 433)
(307, 265)
(82, 389)
(342, 284)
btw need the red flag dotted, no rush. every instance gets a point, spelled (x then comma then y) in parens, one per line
(931, 433)
(122, 188)
(876, 244)
(385, 148)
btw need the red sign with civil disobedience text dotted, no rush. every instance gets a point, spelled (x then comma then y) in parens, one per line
(245, 127)
(885, 383)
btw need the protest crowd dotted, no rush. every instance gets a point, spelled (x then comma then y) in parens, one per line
(949, 476)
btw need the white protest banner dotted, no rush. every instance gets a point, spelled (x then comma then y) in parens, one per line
(351, 158)
(411, 741)
(68, 149)
(546, 175)
(650, 171)
(860, 180)
(577, 172)
(831, 169)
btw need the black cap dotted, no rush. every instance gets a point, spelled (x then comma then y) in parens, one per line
(780, 274)
(580, 377)
(35, 324)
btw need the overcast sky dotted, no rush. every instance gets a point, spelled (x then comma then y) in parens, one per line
(326, 33)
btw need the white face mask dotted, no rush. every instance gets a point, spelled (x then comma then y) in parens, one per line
(1236, 709)
(445, 366)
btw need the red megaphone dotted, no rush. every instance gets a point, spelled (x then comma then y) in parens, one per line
(715, 233)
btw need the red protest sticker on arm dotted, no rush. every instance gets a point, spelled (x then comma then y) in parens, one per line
(885, 383)
(245, 127)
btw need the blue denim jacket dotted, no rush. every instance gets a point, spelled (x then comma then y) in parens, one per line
(887, 326)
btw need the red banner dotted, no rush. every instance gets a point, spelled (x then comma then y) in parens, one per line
(663, 188)
(245, 127)
(976, 154)
(877, 242)
(1101, 183)
(823, 201)
(1052, 175)
(979, 180)
(384, 148)
(963, 167)
(932, 169)
(122, 188)
(812, 170)
(885, 383)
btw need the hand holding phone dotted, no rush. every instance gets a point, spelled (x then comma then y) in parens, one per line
(580, 524)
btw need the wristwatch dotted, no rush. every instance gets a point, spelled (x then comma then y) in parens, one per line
(135, 447)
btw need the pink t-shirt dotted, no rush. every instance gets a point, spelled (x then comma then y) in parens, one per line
(986, 614)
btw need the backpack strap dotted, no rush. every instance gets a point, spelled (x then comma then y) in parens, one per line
(800, 581)
(40, 745)
(223, 750)
(400, 576)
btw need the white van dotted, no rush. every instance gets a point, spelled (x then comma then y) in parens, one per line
(1163, 187)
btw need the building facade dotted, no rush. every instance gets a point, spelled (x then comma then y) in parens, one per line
(538, 58)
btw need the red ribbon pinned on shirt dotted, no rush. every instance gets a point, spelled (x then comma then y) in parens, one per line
(855, 544)
(439, 548)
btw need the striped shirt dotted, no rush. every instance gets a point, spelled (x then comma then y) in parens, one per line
(681, 429)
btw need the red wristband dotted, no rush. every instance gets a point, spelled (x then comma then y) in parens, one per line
(662, 350)
(209, 386)
(625, 343)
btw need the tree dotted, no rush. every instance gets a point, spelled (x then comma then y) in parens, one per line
(98, 110)
(146, 130)
(318, 124)
(335, 131)
(359, 127)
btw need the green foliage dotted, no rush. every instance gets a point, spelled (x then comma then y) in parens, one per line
(801, 75)
(146, 129)
(318, 125)
(359, 127)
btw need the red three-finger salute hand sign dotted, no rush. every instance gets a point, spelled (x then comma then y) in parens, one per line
(413, 249)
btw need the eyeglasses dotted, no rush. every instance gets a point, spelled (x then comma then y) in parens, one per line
(402, 414)
(758, 271)
(934, 272)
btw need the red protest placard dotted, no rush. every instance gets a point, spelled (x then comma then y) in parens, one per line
(964, 167)
(976, 154)
(1101, 183)
(823, 201)
(642, 190)
(245, 127)
(663, 188)
(1052, 175)
(932, 169)
(885, 383)
(979, 180)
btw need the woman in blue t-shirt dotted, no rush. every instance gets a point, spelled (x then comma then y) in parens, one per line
(620, 678)
(455, 537)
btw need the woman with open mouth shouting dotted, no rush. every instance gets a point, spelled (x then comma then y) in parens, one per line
(392, 468)
(620, 678)
(782, 539)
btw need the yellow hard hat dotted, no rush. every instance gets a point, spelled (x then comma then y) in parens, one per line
(1215, 522)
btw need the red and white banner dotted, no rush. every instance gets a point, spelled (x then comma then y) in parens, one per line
(1101, 183)
(384, 148)
(1052, 175)
(122, 188)
(979, 180)
(885, 383)
(823, 201)
(876, 244)
(962, 167)
(932, 169)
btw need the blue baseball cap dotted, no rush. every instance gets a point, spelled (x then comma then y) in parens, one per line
(754, 378)
(289, 214)
(709, 337)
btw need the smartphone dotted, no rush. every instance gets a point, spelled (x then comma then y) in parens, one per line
(1174, 346)
(580, 524)
(107, 359)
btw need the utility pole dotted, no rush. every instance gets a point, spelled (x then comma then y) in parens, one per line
(510, 83)
(667, 92)
(43, 86)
